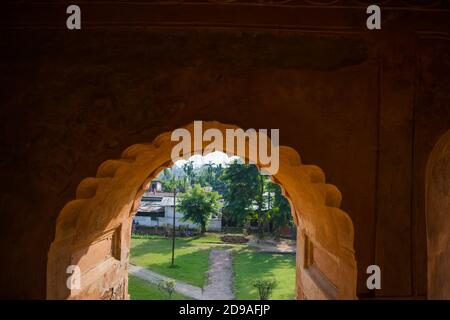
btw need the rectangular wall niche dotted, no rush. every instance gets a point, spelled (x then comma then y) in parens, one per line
(321, 269)
(105, 247)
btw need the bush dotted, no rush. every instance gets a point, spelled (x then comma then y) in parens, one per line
(168, 286)
(265, 287)
(163, 231)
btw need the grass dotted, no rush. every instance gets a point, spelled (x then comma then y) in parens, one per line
(191, 256)
(192, 262)
(250, 265)
(142, 290)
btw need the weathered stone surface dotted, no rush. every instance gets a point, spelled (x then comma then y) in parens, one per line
(85, 231)
(438, 224)
(366, 109)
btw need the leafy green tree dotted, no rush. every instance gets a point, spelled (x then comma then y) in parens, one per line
(170, 181)
(241, 191)
(252, 196)
(188, 169)
(248, 195)
(167, 180)
(217, 183)
(201, 178)
(198, 205)
(262, 203)
(280, 211)
(209, 172)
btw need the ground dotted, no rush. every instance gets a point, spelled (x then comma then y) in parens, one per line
(142, 290)
(250, 265)
(191, 260)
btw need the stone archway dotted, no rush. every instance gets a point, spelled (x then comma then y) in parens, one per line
(93, 231)
(438, 222)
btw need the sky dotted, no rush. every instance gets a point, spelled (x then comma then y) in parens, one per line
(216, 157)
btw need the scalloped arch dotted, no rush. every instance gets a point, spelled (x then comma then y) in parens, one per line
(105, 201)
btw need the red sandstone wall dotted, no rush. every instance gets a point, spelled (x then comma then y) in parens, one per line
(438, 226)
(366, 109)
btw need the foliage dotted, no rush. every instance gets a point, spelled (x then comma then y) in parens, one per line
(280, 210)
(192, 266)
(245, 197)
(214, 176)
(242, 188)
(168, 286)
(198, 205)
(265, 287)
(188, 169)
(140, 289)
(170, 182)
(249, 197)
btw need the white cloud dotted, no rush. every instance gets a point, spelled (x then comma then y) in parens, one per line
(216, 157)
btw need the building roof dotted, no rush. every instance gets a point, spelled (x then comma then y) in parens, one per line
(149, 207)
(151, 194)
(155, 202)
(168, 201)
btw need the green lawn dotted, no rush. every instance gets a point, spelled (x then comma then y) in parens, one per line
(142, 290)
(250, 265)
(191, 260)
(191, 256)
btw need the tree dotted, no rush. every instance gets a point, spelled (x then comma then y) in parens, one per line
(188, 169)
(198, 205)
(167, 180)
(170, 181)
(217, 183)
(241, 192)
(262, 203)
(250, 195)
(280, 210)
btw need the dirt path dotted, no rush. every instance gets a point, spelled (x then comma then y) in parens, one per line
(220, 276)
(219, 282)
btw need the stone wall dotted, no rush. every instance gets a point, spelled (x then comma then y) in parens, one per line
(367, 108)
(438, 224)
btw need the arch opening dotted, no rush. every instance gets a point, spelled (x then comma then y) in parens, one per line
(93, 230)
(227, 215)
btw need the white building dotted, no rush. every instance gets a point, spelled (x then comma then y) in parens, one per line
(156, 210)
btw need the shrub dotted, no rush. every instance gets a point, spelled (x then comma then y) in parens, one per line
(265, 287)
(168, 286)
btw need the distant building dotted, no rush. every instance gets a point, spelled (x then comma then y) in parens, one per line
(156, 209)
(156, 186)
